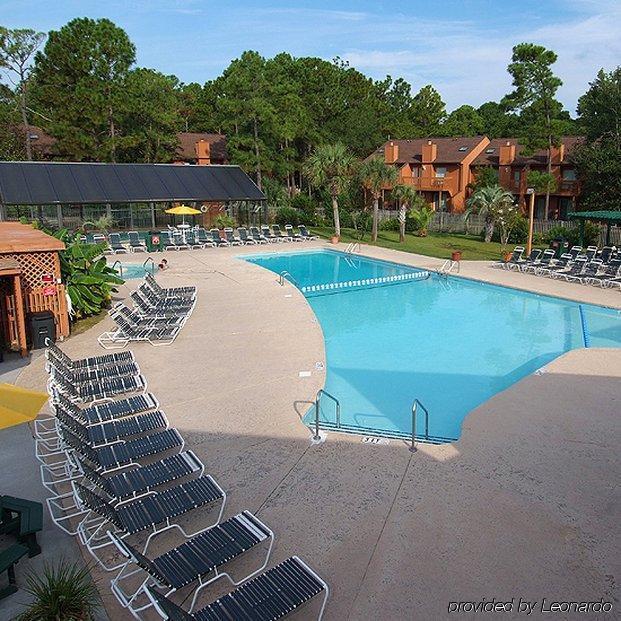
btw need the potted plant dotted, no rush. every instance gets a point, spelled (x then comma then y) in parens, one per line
(334, 239)
(64, 591)
(456, 255)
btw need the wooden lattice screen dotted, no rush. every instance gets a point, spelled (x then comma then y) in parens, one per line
(34, 266)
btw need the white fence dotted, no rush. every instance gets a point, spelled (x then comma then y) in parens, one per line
(456, 223)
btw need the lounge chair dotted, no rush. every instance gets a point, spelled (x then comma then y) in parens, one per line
(275, 594)
(154, 513)
(197, 562)
(591, 270)
(574, 270)
(294, 236)
(267, 234)
(217, 240)
(125, 452)
(516, 257)
(88, 392)
(590, 252)
(135, 243)
(244, 238)
(151, 321)
(554, 266)
(204, 239)
(257, 236)
(279, 234)
(609, 272)
(192, 241)
(169, 292)
(231, 237)
(161, 304)
(94, 362)
(305, 234)
(543, 261)
(166, 241)
(147, 309)
(125, 333)
(607, 254)
(178, 240)
(114, 239)
(534, 255)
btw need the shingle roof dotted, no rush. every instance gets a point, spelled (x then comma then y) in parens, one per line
(47, 183)
(489, 157)
(217, 146)
(448, 149)
(16, 237)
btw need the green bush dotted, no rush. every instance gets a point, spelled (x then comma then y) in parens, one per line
(225, 222)
(518, 235)
(389, 224)
(572, 234)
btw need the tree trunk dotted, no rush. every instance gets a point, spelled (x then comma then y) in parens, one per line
(22, 106)
(112, 134)
(257, 153)
(375, 218)
(549, 170)
(489, 230)
(402, 212)
(335, 211)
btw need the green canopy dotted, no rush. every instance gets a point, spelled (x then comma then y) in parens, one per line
(608, 217)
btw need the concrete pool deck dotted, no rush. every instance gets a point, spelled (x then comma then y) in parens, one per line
(525, 505)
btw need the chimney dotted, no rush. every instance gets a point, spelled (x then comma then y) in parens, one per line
(557, 154)
(391, 152)
(429, 152)
(203, 152)
(506, 154)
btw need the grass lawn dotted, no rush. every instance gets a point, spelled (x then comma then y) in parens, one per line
(434, 245)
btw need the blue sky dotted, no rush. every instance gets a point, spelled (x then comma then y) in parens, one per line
(461, 47)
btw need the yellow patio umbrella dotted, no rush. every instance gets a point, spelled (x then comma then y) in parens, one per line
(18, 405)
(183, 210)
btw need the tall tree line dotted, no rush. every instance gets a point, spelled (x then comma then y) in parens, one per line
(83, 87)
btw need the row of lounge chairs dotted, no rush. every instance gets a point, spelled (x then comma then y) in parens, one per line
(199, 238)
(119, 477)
(157, 316)
(590, 266)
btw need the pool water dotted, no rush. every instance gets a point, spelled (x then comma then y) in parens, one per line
(450, 342)
(132, 271)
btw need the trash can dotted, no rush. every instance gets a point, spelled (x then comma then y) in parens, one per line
(41, 326)
(559, 245)
(154, 241)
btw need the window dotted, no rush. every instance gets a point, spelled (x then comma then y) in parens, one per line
(516, 177)
(569, 174)
(441, 171)
(462, 149)
(415, 171)
(489, 151)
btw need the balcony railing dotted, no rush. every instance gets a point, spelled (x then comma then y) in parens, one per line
(429, 183)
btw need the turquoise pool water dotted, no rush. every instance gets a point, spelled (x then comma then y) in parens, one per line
(452, 343)
(132, 271)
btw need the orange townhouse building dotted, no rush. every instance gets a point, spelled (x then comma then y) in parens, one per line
(505, 156)
(442, 169)
(438, 167)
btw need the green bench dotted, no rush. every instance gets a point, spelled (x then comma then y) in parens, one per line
(8, 558)
(23, 518)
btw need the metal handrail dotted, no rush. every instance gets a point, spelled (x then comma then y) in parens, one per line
(120, 267)
(320, 393)
(282, 279)
(144, 264)
(415, 407)
(351, 247)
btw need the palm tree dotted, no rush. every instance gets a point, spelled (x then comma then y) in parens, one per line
(407, 197)
(489, 202)
(331, 166)
(376, 175)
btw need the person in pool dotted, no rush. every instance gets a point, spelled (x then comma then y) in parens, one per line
(163, 264)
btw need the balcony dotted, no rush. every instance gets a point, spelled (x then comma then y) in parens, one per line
(429, 184)
(568, 186)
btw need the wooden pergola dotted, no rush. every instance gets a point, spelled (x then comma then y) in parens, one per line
(30, 282)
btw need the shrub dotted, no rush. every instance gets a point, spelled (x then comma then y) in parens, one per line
(64, 591)
(572, 234)
(289, 215)
(225, 222)
(418, 220)
(389, 224)
(518, 235)
(307, 206)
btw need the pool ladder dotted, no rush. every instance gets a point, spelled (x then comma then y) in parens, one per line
(149, 260)
(415, 406)
(282, 278)
(324, 393)
(351, 247)
(448, 266)
(120, 270)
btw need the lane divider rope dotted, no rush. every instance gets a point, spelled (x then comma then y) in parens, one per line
(365, 282)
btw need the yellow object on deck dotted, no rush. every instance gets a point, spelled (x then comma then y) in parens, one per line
(19, 405)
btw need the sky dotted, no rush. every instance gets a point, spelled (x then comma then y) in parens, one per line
(461, 47)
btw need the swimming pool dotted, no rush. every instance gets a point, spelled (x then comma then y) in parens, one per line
(131, 271)
(450, 342)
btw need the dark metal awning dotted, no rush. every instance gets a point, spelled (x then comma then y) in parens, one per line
(48, 183)
(612, 217)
